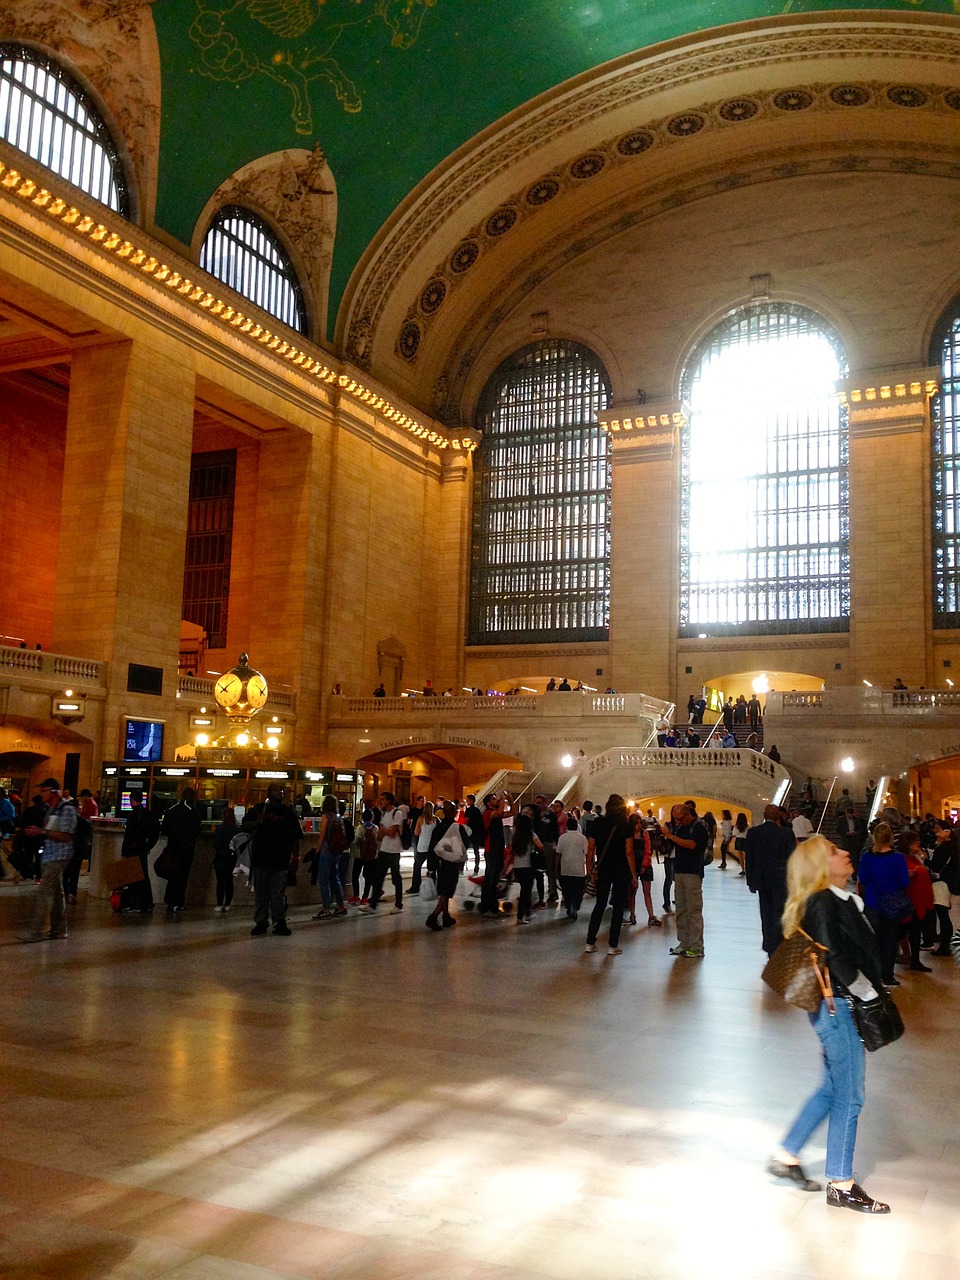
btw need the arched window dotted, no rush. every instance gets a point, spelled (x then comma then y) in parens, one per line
(764, 532)
(242, 251)
(45, 114)
(945, 440)
(541, 518)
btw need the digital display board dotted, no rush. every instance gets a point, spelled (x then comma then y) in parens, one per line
(143, 740)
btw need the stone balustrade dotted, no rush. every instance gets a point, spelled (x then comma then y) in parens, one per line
(578, 705)
(865, 700)
(51, 668)
(725, 758)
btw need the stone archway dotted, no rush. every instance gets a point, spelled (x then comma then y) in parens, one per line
(433, 770)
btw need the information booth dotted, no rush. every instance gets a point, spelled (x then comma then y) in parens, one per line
(221, 786)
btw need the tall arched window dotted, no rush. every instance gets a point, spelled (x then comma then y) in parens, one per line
(945, 471)
(764, 535)
(541, 522)
(45, 114)
(242, 251)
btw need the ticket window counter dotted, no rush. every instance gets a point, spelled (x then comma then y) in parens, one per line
(168, 783)
(345, 784)
(117, 782)
(220, 789)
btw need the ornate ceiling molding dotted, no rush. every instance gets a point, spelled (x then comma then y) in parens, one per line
(496, 303)
(490, 234)
(622, 86)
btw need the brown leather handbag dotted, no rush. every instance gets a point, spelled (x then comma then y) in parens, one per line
(798, 972)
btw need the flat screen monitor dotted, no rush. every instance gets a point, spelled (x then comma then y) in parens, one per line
(143, 740)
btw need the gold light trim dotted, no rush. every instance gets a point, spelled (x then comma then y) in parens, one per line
(113, 242)
(891, 391)
(612, 425)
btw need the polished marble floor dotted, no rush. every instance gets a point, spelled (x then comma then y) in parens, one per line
(367, 1100)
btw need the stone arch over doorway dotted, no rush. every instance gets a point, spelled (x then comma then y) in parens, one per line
(432, 769)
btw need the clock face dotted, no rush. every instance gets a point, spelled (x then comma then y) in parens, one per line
(256, 691)
(227, 690)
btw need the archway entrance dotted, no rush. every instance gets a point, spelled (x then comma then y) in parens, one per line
(435, 771)
(741, 686)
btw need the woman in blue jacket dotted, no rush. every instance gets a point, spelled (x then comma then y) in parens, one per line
(884, 878)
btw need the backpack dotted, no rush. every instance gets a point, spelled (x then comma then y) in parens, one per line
(336, 835)
(82, 836)
(368, 844)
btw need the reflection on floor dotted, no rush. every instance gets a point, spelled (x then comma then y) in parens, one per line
(369, 1100)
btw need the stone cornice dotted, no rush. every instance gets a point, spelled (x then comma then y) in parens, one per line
(54, 224)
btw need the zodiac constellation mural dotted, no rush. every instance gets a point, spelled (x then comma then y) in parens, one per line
(314, 39)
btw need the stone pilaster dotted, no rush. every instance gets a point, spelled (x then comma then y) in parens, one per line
(644, 524)
(890, 591)
(119, 585)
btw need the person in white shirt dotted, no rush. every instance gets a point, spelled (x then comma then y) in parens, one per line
(572, 867)
(726, 835)
(388, 855)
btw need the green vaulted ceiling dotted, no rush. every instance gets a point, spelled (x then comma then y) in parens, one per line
(388, 88)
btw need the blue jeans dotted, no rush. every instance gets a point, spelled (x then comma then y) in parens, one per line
(839, 1098)
(328, 879)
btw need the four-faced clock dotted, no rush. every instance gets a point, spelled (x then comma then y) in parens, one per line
(256, 691)
(228, 690)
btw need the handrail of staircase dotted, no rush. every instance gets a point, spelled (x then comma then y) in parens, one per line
(826, 804)
(529, 785)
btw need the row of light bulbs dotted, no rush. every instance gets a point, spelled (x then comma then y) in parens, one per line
(113, 241)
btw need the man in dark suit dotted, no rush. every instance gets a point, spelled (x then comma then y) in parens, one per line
(851, 834)
(768, 847)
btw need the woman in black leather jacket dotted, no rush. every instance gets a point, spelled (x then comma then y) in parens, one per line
(819, 903)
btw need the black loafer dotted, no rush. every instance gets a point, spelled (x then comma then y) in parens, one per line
(793, 1173)
(856, 1198)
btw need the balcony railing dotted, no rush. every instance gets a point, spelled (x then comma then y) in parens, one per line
(688, 758)
(866, 701)
(527, 705)
(55, 668)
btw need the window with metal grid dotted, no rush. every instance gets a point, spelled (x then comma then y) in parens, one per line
(541, 513)
(764, 509)
(945, 471)
(206, 571)
(45, 114)
(242, 251)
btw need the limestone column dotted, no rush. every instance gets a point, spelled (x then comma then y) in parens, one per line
(450, 564)
(290, 595)
(119, 583)
(644, 573)
(890, 551)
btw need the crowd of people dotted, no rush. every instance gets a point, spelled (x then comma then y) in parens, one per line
(885, 900)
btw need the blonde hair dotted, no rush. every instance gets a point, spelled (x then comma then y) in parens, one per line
(808, 871)
(882, 836)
